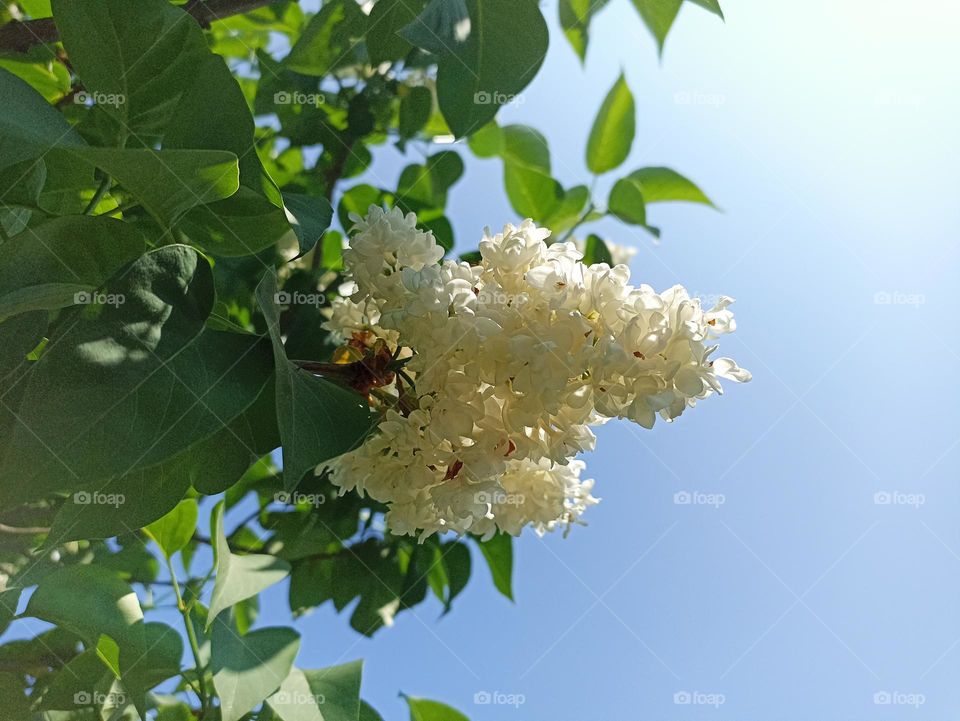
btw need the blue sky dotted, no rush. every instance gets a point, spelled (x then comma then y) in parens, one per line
(826, 133)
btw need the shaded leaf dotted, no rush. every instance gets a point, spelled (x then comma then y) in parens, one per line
(247, 669)
(105, 42)
(318, 420)
(60, 262)
(29, 125)
(503, 51)
(323, 694)
(498, 552)
(329, 39)
(596, 251)
(415, 108)
(96, 404)
(172, 532)
(387, 19)
(309, 217)
(239, 577)
(441, 27)
(168, 182)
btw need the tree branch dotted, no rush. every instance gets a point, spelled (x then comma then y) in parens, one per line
(19, 36)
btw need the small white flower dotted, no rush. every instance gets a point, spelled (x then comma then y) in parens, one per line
(513, 360)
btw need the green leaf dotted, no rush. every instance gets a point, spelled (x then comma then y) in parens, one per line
(456, 560)
(139, 81)
(613, 130)
(503, 52)
(566, 214)
(60, 262)
(329, 40)
(415, 108)
(245, 614)
(498, 552)
(81, 675)
(575, 17)
(247, 669)
(253, 219)
(29, 125)
(174, 530)
(90, 601)
(318, 420)
(239, 577)
(488, 141)
(357, 199)
(13, 701)
(18, 337)
(531, 189)
(161, 660)
(523, 145)
(168, 182)
(176, 712)
(51, 80)
(387, 18)
(368, 712)
(711, 5)
(428, 184)
(422, 709)
(532, 193)
(658, 15)
(627, 202)
(210, 466)
(656, 185)
(309, 216)
(325, 694)
(596, 251)
(97, 404)
(442, 26)
(9, 599)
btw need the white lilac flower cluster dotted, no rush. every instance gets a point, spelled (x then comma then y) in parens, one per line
(501, 369)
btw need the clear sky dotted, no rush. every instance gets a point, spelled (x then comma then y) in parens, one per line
(827, 132)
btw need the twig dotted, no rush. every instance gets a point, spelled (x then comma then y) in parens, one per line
(23, 531)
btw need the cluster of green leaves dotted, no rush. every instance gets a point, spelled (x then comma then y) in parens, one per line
(534, 192)
(657, 15)
(165, 190)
